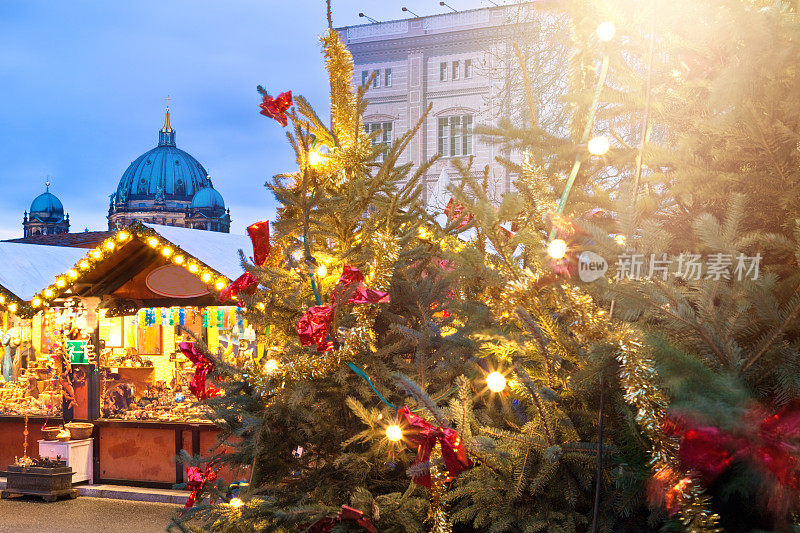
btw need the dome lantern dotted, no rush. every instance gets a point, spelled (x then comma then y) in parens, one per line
(166, 136)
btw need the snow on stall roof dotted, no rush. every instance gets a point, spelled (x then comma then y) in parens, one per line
(220, 251)
(25, 269)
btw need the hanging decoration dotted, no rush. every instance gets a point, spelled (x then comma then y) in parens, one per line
(348, 515)
(259, 236)
(247, 283)
(453, 211)
(767, 443)
(197, 480)
(424, 434)
(315, 324)
(275, 108)
(203, 367)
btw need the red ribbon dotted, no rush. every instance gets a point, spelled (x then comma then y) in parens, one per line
(768, 443)
(276, 107)
(197, 480)
(425, 435)
(259, 236)
(453, 210)
(315, 324)
(203, 367)
(245, 283)
(347, 514)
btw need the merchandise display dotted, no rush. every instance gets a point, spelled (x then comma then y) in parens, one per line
(141, 372)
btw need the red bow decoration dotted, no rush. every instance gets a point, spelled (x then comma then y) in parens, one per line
(276, 107)
(347, 514)
(203, 367)
(247, 283)
(197, 480)
(453, 210)
(769, 444)
(315, 324)
(425, 435)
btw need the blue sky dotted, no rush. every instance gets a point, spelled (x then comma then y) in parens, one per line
(83, 87)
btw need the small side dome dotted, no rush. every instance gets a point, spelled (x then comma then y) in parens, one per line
(207, 198)
(47, 208)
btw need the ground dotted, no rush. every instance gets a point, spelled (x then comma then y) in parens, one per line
(84, 515)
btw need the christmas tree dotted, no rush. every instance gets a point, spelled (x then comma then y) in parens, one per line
(467, 371)
(421, 374)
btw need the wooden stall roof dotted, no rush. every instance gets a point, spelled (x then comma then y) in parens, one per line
(120, 266)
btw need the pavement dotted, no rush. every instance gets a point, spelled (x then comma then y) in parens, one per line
(136, 494)
(84, 515)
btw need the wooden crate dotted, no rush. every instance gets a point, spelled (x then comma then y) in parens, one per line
(49, 483)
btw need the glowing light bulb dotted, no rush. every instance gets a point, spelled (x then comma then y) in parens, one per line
(84, 264)
(322, 271)
(152, 241)
(73, 274)
(60, 282)
(605, 31)
(12, 308)
(97, 254)
(2, 299)
(48, 293)
(219, 285)
(178, 259)
(557, 249)
(236, 502)
(110, 245)
(167, 251)
(315, 158)
(496, 382)
(297, 255)
(36, 302)
(193, 268)
(261, 306)
(620, 239)
(271, 366)
(598, 145)
(394, 433)
(122, 236)
(206, 277)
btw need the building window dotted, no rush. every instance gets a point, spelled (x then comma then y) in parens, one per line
(387, 77)
(376, 81)
(455, 135)
(384, 138)
(443, 72)
(364, 77)
(455, 74)
(467, 68)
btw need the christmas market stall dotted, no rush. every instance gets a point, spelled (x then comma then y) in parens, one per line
(97, 334)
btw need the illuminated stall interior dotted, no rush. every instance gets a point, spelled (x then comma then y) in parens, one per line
(113, 311)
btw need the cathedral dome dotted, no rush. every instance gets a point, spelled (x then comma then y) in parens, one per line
(207, 198)
(165, 173)
(47, 207)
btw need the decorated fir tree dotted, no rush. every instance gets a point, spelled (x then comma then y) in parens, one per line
(460, 374)
(423, 374)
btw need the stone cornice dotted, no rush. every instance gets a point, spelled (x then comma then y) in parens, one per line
(460, 41)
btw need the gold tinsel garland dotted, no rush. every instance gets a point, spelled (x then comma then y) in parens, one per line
(638, 377)
(437, 513)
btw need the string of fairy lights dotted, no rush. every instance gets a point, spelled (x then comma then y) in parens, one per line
(214, 280)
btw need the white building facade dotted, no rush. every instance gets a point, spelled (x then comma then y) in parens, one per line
(452, 61)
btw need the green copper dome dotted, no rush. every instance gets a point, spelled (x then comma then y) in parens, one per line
(162, 174)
